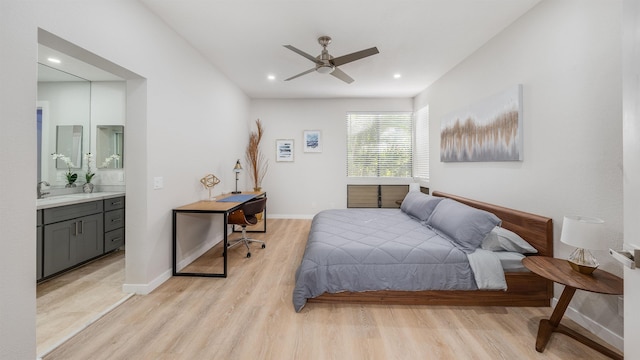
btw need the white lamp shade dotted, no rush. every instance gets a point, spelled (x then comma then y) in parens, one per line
(583, 232)
(414, 187)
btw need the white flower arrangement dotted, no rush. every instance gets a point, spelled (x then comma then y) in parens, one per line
(71, 177)
(89, 175)
(109, 159)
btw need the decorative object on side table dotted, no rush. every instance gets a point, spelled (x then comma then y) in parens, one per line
(583, 233)
(71, 176)
(88, 186)
(237, 170)
(255, 157)
(209, 181)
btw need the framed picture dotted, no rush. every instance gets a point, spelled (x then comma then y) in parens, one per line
(312, 141)
(284, 150)
(490, 130)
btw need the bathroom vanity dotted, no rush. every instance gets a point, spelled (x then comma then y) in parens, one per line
(76, 228)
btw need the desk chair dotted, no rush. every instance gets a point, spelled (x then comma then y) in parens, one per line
(247, 215)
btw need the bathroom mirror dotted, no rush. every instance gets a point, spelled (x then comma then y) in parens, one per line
(110, 146)
(63, 118)
(69, 144)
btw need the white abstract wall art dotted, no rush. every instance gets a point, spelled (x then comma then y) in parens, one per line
(487, 131)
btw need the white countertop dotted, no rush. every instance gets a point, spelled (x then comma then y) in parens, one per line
(68, 199)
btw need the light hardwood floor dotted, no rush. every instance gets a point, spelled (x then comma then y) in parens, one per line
(67, 303)
(249, 315)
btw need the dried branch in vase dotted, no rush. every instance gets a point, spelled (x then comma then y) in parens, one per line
(255, 157)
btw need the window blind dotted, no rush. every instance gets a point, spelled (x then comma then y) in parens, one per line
(421, 155)
(379, 144)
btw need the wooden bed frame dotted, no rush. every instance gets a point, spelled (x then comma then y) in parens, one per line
(523, 288)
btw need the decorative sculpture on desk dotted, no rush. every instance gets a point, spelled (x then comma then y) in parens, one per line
(209, 181)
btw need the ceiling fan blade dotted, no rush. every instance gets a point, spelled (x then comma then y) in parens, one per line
(300, 52)
(341, 60)
(302, 73)
(342, 76)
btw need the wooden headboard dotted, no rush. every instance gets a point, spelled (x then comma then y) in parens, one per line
(536, 229)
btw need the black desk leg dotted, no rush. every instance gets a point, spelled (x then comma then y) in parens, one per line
(225, 251)
(174, 250)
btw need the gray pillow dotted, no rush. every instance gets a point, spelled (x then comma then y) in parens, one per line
(501, 239)
(419, 205)
(465, 225)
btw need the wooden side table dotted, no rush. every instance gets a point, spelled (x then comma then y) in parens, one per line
(559, 270)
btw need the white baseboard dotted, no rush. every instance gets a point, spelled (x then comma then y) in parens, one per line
(288, 216)
(144, 289)
(196, 253)
(596, 328)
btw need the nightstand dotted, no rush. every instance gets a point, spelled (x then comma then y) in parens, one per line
(559, 270)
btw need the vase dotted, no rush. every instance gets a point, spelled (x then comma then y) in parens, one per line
(70, 185)
(87, 188)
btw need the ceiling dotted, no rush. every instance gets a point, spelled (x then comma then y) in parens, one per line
(68, 68)
(419, 39)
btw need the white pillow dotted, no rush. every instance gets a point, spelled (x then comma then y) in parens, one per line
(501, 239)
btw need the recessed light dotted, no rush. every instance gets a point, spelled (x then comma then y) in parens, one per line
(397, 76)
(271, 77)
(54, 60)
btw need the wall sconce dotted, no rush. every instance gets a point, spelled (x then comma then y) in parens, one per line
(237, 169)
(583, 233)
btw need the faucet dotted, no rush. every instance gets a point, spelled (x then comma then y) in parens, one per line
(39, 189)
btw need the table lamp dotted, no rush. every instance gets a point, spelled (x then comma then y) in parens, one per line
(583, 233)
(237, 169)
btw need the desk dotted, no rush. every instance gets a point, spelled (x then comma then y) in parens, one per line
(559, 270)
(210, 207)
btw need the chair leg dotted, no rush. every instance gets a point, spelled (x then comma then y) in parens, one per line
(245, 240)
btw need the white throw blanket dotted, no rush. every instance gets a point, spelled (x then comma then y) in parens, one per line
(487, 270)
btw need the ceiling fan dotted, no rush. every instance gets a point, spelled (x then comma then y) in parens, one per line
(327, 64)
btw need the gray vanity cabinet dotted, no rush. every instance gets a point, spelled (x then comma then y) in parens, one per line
(113, 223)
(39, 245)
(72, 235)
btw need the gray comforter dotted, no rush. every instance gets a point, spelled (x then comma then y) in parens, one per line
(377, 249)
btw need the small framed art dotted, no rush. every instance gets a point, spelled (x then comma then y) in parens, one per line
(312, 141)
(284, 150)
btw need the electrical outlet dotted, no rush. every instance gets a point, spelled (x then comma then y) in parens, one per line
(620, 305)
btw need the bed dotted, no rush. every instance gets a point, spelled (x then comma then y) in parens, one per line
(403, 249)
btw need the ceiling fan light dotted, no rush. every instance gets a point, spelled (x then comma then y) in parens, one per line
(325, 69)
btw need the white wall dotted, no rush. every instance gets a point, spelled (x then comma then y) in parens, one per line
(183, 121)
(313, 181)
(567, 55)
(631, 106)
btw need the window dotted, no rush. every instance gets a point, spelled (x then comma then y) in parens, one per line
(421, 154)
(379, 144)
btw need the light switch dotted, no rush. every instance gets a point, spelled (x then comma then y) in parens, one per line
(158, 182)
